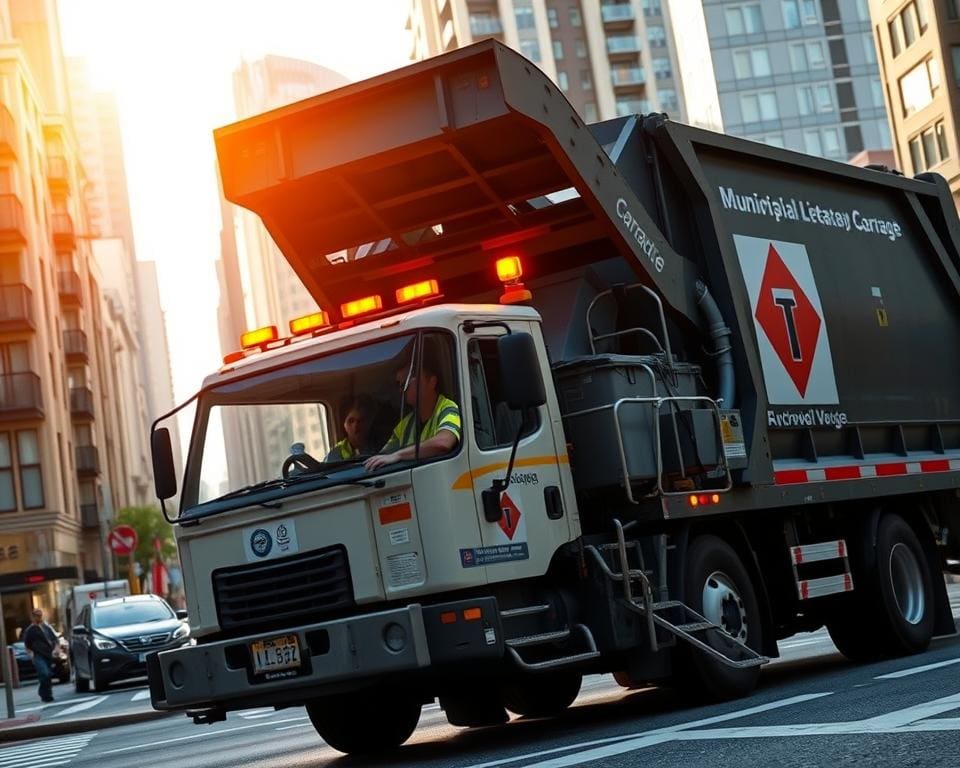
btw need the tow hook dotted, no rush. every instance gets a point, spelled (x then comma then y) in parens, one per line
(207, 716)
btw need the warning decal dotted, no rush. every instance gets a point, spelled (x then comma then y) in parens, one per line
(791, 331)
(510, 516)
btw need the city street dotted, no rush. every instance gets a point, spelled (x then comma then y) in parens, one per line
(812, 708)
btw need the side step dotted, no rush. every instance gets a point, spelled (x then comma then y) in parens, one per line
(549, 638)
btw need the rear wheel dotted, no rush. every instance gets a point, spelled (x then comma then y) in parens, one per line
(366, 723)
(719, 588)
(542, 695)
(893, 604)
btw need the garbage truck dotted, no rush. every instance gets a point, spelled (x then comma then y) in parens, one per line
(633, 398)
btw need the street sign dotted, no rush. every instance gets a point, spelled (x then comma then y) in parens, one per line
(122, 540)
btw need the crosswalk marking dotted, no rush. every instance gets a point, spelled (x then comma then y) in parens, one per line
(46, 753)
(141, 695)
(81, 707)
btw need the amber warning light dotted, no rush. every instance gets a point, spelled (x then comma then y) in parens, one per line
(258, 337)
(361, 306)
(309, 323)
(422, 290)
(509, 272)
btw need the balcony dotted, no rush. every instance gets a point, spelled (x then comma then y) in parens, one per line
(8, 135)
(632, 107)
(75, 346)
(64, 238)
(88, 460)
(81, 403)
(89, 516)
(621, 44)
(16, 308)
(68, 287)
(58, 175)
(20, 397)
(13, 230)
(485, 26)
(616, 14)
(628, 76)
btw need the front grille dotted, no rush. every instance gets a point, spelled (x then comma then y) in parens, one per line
(145, 642)
(283, 591)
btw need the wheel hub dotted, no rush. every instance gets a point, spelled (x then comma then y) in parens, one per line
(907, 582)
(722, 605)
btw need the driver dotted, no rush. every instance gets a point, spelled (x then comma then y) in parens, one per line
(440, 426)
(356, 426)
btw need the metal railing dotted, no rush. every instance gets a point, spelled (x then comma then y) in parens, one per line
(87, 459)
(485, 25)
(58, 171)
(12, 226)
(89, 516)
(20, 393)
(8, 133)
(623, 44)
(64, 237)
(617, 12)
(75, 343)
(632, 107)
(16, 307)
(628, 76)
(81, 401)
(68, 285)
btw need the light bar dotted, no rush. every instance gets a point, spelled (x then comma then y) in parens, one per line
(422, 290)
(361, 306)
(259, 337)
(509, 269)
(308, 323)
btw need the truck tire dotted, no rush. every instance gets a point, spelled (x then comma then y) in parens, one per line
(365, 723)
(542, 695)
(893, 611)
(719, 588)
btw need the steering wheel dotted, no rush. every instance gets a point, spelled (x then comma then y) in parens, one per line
(298, 464)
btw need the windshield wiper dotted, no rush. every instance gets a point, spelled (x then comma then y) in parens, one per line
(285, 482)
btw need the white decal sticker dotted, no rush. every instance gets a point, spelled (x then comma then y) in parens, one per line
(404, 569)
(265, 541)
(399, 536)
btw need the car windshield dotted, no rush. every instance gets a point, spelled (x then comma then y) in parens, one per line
(336, 408)
(121, 614)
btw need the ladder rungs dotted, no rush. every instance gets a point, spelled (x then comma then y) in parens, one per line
(542, 639)
(696, 626)
(527, 610)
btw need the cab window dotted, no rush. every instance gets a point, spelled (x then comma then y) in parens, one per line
(494, 423)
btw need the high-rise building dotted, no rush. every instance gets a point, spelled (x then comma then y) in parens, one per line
(609, 57)
(919, 44)
(800, 74)
(65, 461)
(257, 285)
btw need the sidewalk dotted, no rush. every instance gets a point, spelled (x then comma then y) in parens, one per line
(70, 712)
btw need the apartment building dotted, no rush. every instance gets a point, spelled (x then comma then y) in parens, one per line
(919, 45)
(609, 57)
(61, 469)
(257, 285)
(800, 74)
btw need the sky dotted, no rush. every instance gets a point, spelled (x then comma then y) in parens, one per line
(169, 65)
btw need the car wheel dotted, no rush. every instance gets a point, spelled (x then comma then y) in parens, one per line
(96, 680)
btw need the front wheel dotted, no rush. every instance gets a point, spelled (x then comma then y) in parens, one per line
(364, 724)
(542, 695)
(719, 588)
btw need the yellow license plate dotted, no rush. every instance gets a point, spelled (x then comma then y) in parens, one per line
(275, 653)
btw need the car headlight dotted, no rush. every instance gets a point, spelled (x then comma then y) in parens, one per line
(103, 644)
(181, 632)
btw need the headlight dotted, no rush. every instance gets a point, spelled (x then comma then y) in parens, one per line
(181, 632)
(103, 644)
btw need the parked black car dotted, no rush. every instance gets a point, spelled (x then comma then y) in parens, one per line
(26, 670)
(112, 638)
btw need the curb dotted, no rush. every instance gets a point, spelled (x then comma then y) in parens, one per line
(58, 728)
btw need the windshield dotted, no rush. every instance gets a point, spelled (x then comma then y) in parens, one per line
(121, 614)
(318, 417)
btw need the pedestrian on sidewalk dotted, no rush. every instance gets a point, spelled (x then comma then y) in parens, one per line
(37, 642)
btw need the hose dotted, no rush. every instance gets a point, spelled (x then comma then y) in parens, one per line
(722, 351)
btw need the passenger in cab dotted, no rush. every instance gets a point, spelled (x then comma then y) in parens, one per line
(356, 426)
(440, 426)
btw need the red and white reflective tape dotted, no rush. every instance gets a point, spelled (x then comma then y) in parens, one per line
(863, 471)
(814, 553)
(828, 585)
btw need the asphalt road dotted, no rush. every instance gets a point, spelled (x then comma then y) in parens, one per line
(813, 708)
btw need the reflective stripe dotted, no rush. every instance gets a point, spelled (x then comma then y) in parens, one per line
(446, 415)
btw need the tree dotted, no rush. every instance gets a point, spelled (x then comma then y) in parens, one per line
(149, 525)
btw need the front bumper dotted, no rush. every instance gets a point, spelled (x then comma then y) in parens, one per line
(220, 674)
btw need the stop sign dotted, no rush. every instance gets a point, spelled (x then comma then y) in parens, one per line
(122, 540)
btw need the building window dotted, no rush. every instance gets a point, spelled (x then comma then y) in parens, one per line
(668, 99)
(953, 9)
(563, 81)
(916, 155)
(652, 8)
(8, 497)
(918, 86)
(805, 100)
(863, 10)
(798, 12)
(815, 56)
(662, 69)
(824, 98)
(524, 16)
(811, 143)
(581, 48)
(590, 112)
(744, 19)
(944, 148)
(31, 479)
(907, 26)
(751, 62)
(929, 147)
(876, 92)
(558, 49)
(552, 17)
(575, 19)
(586, 80)
(530, 49)
(773, 140)
(657, 36)
(831, 142)
(758, 107)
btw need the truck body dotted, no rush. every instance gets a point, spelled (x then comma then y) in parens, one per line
(708, 390)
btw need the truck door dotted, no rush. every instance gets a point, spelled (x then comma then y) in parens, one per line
(533, 522)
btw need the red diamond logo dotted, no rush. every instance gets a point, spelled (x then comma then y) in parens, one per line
(789, 320)
(510, 518)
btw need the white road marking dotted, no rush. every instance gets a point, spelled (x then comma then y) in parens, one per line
(916, 670)
(141, 695)
(666, 731)
(253, 714)
(46, 753)
(81, 707)
(206, 735)
(58, 703)
(289, 727)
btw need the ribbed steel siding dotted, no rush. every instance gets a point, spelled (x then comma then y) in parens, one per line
(283, 591)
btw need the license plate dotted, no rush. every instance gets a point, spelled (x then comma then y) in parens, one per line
(275, 653)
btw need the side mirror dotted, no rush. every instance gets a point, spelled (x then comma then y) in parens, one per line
(79, 631)
(181, 614)
(520, 375)
(164, 475)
